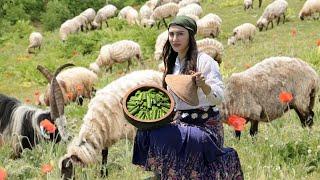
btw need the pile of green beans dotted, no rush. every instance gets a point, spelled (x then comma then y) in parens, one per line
(148, 104)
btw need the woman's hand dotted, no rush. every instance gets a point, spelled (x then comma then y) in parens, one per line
(201, 82)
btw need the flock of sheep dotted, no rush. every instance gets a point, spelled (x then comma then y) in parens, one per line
(104, 117)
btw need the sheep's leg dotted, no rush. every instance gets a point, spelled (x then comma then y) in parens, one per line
(129, 63)
(79, 100)
(107, 24)
(272, 24)
(104, 170)
(237, 134)
(278, 20)
(158, 24)
(260, 3)
(165, 23)
(109, 69)
(284, 18)
(211, 34)
(254, 128)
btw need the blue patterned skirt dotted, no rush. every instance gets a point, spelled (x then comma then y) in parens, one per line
(190, 148)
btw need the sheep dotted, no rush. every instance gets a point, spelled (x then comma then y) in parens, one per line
(104, 123)
(247, 4)
(117, 52)
(20, 123)
(272, 11)
(260, 3)
(209, 25)
(243, 32)
(191, 9)
(187, 2)
(211, 47)
(103, 14)
(35, 41)
(164, 11)
(160, 42)
(254, 93)
(152, 4)
(82, 20)
(130, 14)
(76, 83)
(309, 8)
(145, 14)
(68, 27)
(89, 14)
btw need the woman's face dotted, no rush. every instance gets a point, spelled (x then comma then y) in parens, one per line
(178, 38)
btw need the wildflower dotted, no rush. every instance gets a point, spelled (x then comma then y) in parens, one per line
(3, 174)
(46, 168)
(318, 42)
(70, 95)
(293, 32)
(236, 122)
(285, 97)
(75, 53)
(247, 66)
(27, 100)
(48, 126)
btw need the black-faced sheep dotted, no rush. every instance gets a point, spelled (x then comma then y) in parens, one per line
(104, 123)
(254, 93)
(310, 7)
(20, 123)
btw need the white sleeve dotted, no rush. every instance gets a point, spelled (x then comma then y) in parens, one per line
(210, 70)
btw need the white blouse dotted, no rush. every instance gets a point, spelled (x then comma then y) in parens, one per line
(210, 70)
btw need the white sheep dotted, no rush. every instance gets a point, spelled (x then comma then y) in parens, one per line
(160, 42)
(129, 14)
(76, 83)
(243, 32)
(310, 7)
(273, 11)
(68, 27)
(254, 94)
(152, 4)
(187, 2)
(104, 123)
(164, 11)
(117, 52)
(35, 41)
(209, 25)
(191, 9)
(247, 4)
(83, 21)
(90, 14)
(211, 47)
(145, 14)
(103, 14)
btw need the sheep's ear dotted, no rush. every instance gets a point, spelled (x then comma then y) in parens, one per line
(46, 73)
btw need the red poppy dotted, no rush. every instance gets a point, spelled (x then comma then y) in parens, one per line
(46, 168)
(293, 32)
(27, 100)
(47, 125)
(236, 122)
(285, 97)
(318, 42)
(3, 174)
(247, 66)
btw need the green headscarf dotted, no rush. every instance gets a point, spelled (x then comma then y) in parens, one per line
(185, 22)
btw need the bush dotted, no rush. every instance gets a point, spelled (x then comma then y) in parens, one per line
(13, 11)
(56, 13)
(122, 3)
(77, 6)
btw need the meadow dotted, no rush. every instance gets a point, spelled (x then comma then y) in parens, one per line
(281, 150)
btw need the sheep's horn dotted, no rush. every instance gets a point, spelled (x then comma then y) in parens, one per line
(45, 72)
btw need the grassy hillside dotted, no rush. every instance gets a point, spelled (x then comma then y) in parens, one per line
(282, 149)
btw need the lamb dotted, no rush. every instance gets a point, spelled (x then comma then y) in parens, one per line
(164, 11)
(130, 14)
(76, 83)
(247, 4)
(191, 9)
(89, 14)
(273, 11)
(160, 42)
(254, 93)
(104, 123)
(243, 32)
(117, 52)
(187, 2)
(103, 14)
(211, 47)
(35, 41)
(20, 124)
(310, 7)
(209, 25)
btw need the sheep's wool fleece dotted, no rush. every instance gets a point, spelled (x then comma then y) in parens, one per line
(104, 123)
(254, 93)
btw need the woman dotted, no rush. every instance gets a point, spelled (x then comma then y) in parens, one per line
(192, 146)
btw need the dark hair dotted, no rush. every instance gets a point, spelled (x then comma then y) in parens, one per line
(169, 58)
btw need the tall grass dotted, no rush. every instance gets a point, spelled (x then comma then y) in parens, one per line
(282, 149)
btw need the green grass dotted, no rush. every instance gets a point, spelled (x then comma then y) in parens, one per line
(282, 149)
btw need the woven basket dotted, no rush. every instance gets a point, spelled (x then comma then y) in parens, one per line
(143, 123)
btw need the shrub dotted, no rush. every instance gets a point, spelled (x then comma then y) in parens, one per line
(14, 11)
(56, 13)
